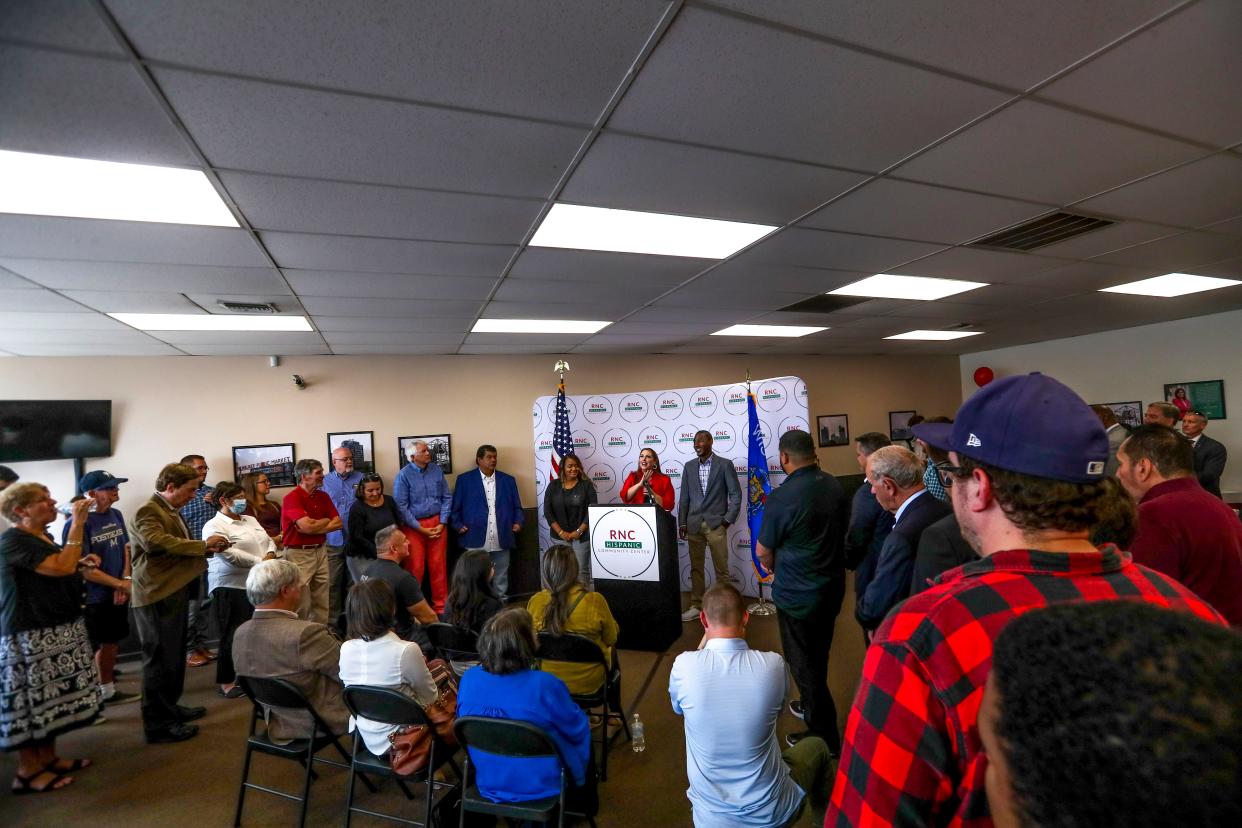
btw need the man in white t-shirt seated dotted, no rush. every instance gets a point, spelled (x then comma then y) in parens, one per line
(730, 696)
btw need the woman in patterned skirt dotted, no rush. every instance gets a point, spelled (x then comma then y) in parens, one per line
(48, 683)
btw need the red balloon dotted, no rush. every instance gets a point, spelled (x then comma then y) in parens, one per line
(983, 375)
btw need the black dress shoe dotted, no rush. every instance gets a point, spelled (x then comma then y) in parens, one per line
(189, 714)
(172, 733)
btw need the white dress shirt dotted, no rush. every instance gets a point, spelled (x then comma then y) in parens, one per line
(492, 542)
(385, 662)
(250, 544)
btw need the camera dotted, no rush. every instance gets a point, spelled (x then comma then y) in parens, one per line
(299, 382)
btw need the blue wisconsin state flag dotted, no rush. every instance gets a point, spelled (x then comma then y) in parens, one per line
(758, 487)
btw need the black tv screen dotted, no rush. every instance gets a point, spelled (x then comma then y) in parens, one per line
(54, 429)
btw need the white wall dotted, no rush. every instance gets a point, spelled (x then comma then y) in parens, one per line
(1135, 364)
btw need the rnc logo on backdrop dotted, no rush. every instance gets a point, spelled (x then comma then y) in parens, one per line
(683, 438)
(603, 477)
(543, 443)
(771, 396)
(633, 408)
(723, 437)
(616, 442)
(536, 413)
(584, 444)
(793, 424)
(571, 408)
(735, 400)
(668, 406)
(673, 469)
(654, 438)
(597, 410)
(800, 393)
(703, 402)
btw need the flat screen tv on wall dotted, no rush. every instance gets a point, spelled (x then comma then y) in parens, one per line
(54, 429)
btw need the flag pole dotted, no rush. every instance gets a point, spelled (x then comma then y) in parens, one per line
(760, 607)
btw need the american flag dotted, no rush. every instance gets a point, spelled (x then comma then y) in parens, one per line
(562, 441)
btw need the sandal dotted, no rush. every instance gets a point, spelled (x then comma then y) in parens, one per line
(74, 765)
(235, 693)
(25, 784)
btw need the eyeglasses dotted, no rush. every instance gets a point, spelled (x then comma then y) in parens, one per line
(947, 472)
(371, 477)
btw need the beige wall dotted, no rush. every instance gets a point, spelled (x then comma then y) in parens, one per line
(164, 407)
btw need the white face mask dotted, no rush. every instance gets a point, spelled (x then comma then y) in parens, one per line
(238, 507)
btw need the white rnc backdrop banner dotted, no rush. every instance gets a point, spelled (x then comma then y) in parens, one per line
(610, 429)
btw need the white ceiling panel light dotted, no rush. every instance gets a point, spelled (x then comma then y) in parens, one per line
(934, 336)
(629, 231)
(1172, 284)
(769, 330)
(892, 286)
(538, 326)
(211, 322)
(53, 185)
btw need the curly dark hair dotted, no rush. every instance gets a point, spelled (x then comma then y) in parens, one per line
(1120, 713)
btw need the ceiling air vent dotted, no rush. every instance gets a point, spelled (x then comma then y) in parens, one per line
(247, 307)
(1045, 230)
(824, 304)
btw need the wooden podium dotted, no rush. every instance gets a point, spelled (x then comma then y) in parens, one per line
(634, 565)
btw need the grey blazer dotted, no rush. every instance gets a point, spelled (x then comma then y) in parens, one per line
(722, 501)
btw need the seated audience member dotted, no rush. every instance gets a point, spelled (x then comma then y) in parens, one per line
(1091, 707)
(567, 607)
(392, 547)
(506, 686)
(227, 571)
(7, 478)
(931, 456)
(1161, 413)
(373, 655)
(941, 548)
(1116, 434)
(275, 643)
(730, 697)
(1027, 484)
(373, 511)
(1183, 531)
(472, 600)
(870, 522)
(1210, 455)
(647, 484)
(258, 506)
(896, 478)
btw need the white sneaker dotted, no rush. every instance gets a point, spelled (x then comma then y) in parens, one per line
(691, 614)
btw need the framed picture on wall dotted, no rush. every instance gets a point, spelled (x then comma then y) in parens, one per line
(1129, 414)
(1207, 396)
(361, 445)
(899, 425)
(276, 460)
(440, 446)
(834, 430)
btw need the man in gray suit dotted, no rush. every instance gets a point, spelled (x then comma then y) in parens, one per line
(1116, 436)
(275, 643)
(709, 502)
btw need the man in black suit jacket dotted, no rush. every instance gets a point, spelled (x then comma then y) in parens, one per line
(941, 548)
(896, 477)
(1210, 455)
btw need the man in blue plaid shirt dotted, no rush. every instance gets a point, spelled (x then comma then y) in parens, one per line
(196, 513)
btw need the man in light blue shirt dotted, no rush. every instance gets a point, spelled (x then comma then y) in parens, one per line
(425, 501)
(730, 696)
(341, 484)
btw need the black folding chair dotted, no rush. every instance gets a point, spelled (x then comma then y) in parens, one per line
(581, 650)
(276, 692)
(511, 737)
(382, 704)
(453, 643)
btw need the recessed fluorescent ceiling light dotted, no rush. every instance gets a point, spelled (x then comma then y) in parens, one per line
(768, 330)
(211, 322)
(543, 326)
(934, 335)
(890, 286)
(629, 231)
(51, 185)
(1172, 284)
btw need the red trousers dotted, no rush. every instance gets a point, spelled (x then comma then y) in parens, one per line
(430, 553)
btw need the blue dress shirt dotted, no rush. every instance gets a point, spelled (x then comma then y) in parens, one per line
(342, 491)
(421, 493)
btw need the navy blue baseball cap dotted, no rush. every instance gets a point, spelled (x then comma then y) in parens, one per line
(100, 480)
(1028, 424)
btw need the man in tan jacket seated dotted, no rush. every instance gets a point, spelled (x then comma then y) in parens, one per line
(275, 643)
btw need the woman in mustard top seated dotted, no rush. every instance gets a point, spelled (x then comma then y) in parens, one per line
(566, 607)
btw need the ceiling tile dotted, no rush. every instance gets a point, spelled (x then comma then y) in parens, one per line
(415, 336)
(639, 340)
(551, 290)
(38, 300)
(837, 251)
(1178, 253)
(396, 285)
(423, 324)
(130, 301)
(504, 350)
(977, 265)
(1230, 269)
(549, 339)
(155, 278)
(66, 24)
(1084, 277)
(1202, 192)
(596, 266)
(1232, 226)
(241, 339)
(42, 321)
(94, 349)
(412, 309)
(1017, 297)
(47, 237)
(752, 300)
(744, 272)
(71, 335)
(1107, 239)
(251, 348)
(636, 326)
(285, 304)
(448, 347)
(589, 311)
(832, 106)
(354, 253)
(693, 313)
(12, 281)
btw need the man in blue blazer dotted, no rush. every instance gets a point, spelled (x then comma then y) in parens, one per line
(709, 503)
(488, 513)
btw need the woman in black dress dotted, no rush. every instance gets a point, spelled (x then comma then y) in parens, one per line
(565, 508)
(373, 512)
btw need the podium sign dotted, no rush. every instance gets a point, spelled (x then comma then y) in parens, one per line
(623, 544)
(634, 566)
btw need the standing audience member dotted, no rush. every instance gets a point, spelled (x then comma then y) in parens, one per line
(267, 512)
(341, 484)
(306, 517)
(1116, 435)
(392, 547)
(425, 501)
(1210, 455)
(730, 697)
(801, 542)
(48, 684)
(166, 561)
(896, 478)
(373, 511)
(566, 607)
(487, 513)
(941, 548)
(870, 524)
(7, 478)
(930, 456)
(1089, 707)
(1183, 531)
(647, 484)
(1027, 484)
(227, 571)
(276, 643)
(565, 505)
(1161, 413)
(472, 599)
(195, 513)
(710, 501)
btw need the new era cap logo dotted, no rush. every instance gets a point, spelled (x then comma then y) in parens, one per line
(1095, 467)
(972, 440)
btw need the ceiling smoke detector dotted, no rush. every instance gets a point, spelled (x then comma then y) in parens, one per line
(247, 307)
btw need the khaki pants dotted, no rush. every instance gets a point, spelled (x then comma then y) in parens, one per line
(313, 564)
(718, 540)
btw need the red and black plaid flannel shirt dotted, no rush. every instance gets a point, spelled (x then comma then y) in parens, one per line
(912, 754)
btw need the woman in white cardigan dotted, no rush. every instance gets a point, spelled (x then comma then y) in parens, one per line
(373, 655)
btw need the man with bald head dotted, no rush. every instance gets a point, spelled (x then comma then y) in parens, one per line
(425, 501)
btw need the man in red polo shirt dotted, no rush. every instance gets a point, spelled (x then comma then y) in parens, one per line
(1026, 478)
(307, 516)
(1184, 531)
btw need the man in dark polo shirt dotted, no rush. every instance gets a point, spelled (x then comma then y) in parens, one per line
(802, 543)
(307, 516)
(391, 548)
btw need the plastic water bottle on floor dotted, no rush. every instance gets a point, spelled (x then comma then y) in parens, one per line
(638, 740)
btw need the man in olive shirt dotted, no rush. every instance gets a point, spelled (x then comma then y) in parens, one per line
(165, 562)
(802, 543)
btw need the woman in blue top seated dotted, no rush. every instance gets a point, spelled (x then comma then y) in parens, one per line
(506, 686)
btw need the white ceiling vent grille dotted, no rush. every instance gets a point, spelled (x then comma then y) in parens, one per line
(1043, 231)
(247, 307)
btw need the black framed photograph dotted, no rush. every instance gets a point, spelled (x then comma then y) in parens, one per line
(276, 460)
(1207, 396)
(834, 430)
(899, 425)
(440, 446)
(1129, 414)
(361, 445)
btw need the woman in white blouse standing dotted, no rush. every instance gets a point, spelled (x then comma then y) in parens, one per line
(226, 574)
(373, 655)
